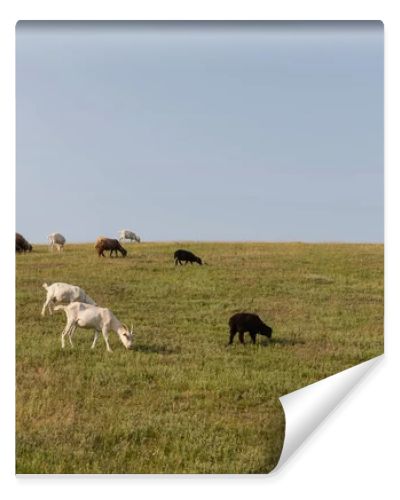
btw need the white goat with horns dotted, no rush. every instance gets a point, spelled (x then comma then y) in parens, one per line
(98, 318)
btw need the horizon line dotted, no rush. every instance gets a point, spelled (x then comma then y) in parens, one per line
(314, 242)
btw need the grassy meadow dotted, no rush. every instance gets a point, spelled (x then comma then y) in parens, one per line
(180, 401)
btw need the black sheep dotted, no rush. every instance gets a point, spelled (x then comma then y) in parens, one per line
(186, 256)
(247, 322)
(21, 245)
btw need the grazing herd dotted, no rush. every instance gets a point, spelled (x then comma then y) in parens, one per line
(57, 240)
(83, 312)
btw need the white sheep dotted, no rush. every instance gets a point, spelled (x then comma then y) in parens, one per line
(56, 240)
(124, 234)
(98, 318)
(64, 293)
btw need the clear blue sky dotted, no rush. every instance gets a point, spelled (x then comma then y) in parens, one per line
(200, 131)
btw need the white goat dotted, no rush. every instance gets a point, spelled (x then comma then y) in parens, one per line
(124, 234)
(98, 318)
(64, 293)
(56, 240)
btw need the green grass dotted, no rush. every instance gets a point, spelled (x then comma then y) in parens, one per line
(181, 402)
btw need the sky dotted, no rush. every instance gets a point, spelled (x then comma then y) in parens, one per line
(246, 131)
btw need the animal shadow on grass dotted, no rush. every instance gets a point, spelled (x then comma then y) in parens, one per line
(263, 342)
(275, 341)
(159, 349)
(281, 341)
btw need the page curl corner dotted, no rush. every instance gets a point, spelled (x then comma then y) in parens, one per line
(306, 408)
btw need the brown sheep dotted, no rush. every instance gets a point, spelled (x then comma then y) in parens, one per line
(21, 245)
(103, 244)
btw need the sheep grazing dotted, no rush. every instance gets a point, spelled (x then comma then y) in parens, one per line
(103, 244)
(21, 244)
(124, 234)
(99, 318)
(186, 256)
(56, 240)
(247, 322)
(64, 293)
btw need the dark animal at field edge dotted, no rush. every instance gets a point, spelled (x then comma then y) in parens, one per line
(113, 245)
(247, 322)
(21, 244)
(186, 256)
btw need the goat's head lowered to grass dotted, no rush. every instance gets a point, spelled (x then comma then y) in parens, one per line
(100, 319)
(126, 336)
